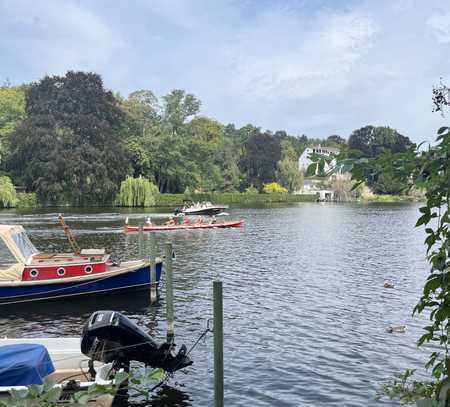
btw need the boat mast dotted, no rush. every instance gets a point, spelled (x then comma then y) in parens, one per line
(70, 237)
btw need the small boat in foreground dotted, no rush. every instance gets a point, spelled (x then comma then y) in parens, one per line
(193, 226)
(29, 275)
(200, 208)
(109, 342)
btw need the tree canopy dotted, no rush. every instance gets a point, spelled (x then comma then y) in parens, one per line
(70, 140)
(371, 141)
(68, 148)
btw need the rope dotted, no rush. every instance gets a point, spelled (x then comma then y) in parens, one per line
(202, 335)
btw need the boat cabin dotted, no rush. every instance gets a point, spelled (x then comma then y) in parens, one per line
(21, 261)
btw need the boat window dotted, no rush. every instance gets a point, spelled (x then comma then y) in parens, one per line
(6, 257)
(24, 244)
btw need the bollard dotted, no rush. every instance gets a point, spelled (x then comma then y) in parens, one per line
(218, 344)
(169, 293)
(153, 285)
(141, 241)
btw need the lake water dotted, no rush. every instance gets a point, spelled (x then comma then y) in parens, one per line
(305, 311)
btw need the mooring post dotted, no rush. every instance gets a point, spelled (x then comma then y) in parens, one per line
(141, 241)
(169, 293)
(153, 285)
(218, 344)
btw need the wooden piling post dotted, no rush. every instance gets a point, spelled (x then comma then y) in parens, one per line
(141, 241)
(153, 284)
(218, 344)
(169, 293)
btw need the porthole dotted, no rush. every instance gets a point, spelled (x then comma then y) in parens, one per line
(34, 273)
(88, 269)
(61, 271)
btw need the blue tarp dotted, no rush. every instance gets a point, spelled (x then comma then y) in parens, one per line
(24, 364)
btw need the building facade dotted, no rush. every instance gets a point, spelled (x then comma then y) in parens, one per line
(304, 161)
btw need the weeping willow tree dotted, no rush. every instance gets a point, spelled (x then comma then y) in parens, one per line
(137, 192)
(8, 196)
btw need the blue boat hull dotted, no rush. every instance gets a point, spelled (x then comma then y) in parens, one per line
(136, 279)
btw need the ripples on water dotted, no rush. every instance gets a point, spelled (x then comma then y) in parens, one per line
(304, 303)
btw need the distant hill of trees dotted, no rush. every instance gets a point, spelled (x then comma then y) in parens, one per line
(70, 140)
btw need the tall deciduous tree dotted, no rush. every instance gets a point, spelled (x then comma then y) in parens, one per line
(178, 106)
(69, 145)
(372, 141)
(12, 112)
(262, 153)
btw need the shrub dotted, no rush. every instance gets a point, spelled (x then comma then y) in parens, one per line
(274, 188)
(251, 190)
(27, 200)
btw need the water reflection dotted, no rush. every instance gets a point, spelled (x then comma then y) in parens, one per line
(305, 307)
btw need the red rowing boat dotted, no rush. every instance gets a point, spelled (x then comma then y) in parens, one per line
(158, 228)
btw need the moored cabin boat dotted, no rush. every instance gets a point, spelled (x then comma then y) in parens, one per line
(28, 275)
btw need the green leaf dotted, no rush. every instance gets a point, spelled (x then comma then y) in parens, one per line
(120, 377)
(81, 397)
(54, 394)
(423, 220)
(431, 285)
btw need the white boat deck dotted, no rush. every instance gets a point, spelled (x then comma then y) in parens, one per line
(64, 352)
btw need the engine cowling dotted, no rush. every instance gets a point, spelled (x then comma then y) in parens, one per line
(109, 336)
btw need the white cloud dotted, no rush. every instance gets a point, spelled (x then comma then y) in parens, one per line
(439, 24)
(307, 67)
(56, 36)
(287, 55)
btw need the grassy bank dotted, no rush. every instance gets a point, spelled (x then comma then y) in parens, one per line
(232, 198)
(29, 200)
(392, 198)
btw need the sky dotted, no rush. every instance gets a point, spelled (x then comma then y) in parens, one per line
(308, 67)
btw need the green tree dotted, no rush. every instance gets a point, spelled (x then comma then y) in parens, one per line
(371, 141)
(8, 196)
(69, 148)
(142, 110)
(137, 192)
(289, 175)
(12, 112)
(262, 153)
(337, 140)
(178, 106)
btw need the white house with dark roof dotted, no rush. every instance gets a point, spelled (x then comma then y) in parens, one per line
(304, 161)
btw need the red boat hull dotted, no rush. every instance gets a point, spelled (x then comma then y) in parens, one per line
(160, 228)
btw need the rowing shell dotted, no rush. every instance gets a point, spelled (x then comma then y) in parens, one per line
(157, 228)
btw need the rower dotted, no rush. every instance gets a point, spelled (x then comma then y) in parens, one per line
(148, 221)
(186, 220)
(213, 220)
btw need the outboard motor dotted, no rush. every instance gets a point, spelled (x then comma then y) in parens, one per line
(109, 336)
